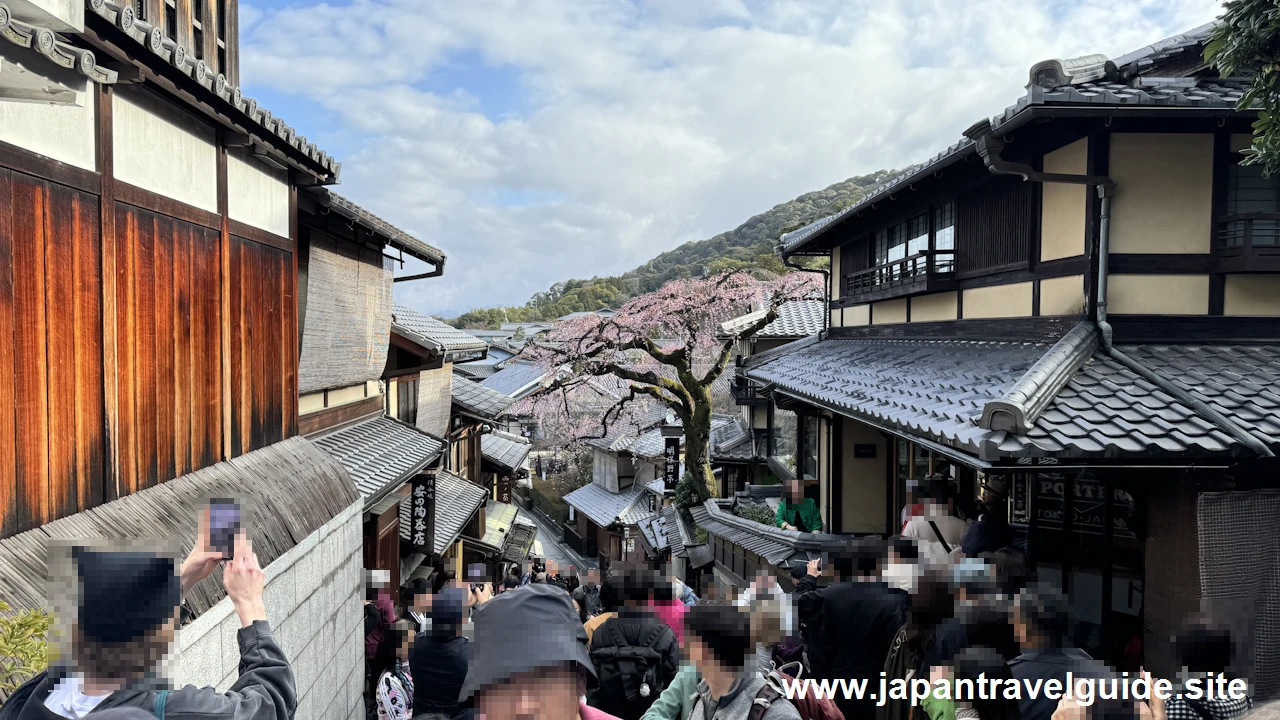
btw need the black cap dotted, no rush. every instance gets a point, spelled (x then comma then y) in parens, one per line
(503, 645)
(123, 595)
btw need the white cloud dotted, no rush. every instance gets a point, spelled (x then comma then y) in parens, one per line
(654, 122)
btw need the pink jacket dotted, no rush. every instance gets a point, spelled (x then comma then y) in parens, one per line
(672, 613)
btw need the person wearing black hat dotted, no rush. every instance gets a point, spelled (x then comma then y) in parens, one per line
(125, 624)
(529, 659)
(992, 531)
(438, 658)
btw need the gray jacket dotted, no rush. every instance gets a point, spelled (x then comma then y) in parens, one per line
(736, 704)
(265, 690)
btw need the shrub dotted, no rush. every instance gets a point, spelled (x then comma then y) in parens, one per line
(759, 513)
(23, 649)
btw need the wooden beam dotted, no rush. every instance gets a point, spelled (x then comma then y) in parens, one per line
(291, 324)
(328, 418)
(157, 203)
(107, 233)
(224, 321)
(25, 161)
(262, 237)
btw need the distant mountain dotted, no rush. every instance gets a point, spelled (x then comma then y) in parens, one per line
(748, 246)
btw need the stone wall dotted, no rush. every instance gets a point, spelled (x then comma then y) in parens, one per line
(314, 599)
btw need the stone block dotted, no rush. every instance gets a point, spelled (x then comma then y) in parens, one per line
(354, 535)
(230, 632)
(324, 640)
(306, 668)
(200, 662)
(306, 707)
(279, 598)
(291, 638)
(228, 681)
(308, 572)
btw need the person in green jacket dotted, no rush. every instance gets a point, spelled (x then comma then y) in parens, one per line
(676, 700)
(797, 512)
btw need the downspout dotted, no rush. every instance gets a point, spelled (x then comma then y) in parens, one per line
(826, 282)
(989, 145)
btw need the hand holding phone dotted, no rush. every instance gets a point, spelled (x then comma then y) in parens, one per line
(224, 523)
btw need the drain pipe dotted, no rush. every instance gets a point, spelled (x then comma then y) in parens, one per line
(826, 283)
(989, 146)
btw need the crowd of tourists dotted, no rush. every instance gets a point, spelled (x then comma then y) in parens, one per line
(944, 600)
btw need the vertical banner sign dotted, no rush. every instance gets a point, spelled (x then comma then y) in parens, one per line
(671, 469)
(423, 513)
(504, 489)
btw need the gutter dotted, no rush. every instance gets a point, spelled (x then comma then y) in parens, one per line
(990, 144)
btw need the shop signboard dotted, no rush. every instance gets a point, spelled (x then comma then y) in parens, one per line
(422, 516)
(671, 465)
(1088, 504)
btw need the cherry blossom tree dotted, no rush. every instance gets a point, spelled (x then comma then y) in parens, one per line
(666, 350)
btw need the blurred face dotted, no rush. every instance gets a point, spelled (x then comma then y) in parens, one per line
(402, 652)
(794, 490)
(422, 603)
(545, 694)
(698, 653)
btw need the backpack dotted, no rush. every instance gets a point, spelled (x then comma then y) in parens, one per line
(630, 676)
(809, 707)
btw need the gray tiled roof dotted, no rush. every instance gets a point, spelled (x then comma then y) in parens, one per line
(479, 400)
(432, 333)
(53, 48)
(230, 101)
(380, 454)
(1140, 86)
(475, 371)
(650, 443)
(456, 501)
(779, 547)
(519, 540)
(506, 451)
(732, 441)
(392, 235)
(639, 510)
(675, 540)
(937, 389)
(512, 378)
(653, 530)
(604, 507)
(796, 319)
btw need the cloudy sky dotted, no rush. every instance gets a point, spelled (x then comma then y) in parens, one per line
(540, 140)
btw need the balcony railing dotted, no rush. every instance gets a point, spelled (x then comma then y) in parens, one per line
(929, 271)
(745, 393)
(1248, 242)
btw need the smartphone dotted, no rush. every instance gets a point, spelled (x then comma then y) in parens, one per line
(224, 523)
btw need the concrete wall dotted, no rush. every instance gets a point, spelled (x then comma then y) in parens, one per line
(435, 400)
(62, 132)
(1158, 294)
(1063, 207)
(934, 308)
(257, 195)
(315, 604)
(160, 148)
(837, 280)
(998, 301)
(1062, 295)
(1164, 193)
(604, 469)
(889, 312)
(863, 480)
(1255, 295)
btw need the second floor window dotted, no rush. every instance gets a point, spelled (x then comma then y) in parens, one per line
(1253, 208)
(944, 237)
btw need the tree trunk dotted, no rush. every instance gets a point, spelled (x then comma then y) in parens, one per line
(697, 441)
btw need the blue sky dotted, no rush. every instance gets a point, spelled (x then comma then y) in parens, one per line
(538, 140)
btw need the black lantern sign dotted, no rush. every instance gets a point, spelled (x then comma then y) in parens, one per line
(422, 516)
(671, 466)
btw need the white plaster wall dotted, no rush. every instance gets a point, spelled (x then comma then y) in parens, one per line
(315, 604)
(257, 195)
(160, 148)
(62, 132)
(57, 15)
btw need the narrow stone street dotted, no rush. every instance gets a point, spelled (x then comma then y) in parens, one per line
(548, 545)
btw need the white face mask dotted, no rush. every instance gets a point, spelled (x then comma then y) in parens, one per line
(900, 576)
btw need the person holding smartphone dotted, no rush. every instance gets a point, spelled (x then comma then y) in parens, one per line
(126, 623)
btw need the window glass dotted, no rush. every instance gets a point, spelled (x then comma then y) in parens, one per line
(944, 239)
(809, 429)
(1248, 191)
(918, 235)
(784, 439)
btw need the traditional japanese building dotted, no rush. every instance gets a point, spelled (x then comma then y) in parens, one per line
(1081, 297)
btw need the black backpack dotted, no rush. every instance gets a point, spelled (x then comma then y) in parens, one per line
(630, 676)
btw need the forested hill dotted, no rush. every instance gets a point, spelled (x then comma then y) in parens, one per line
(750, 245)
